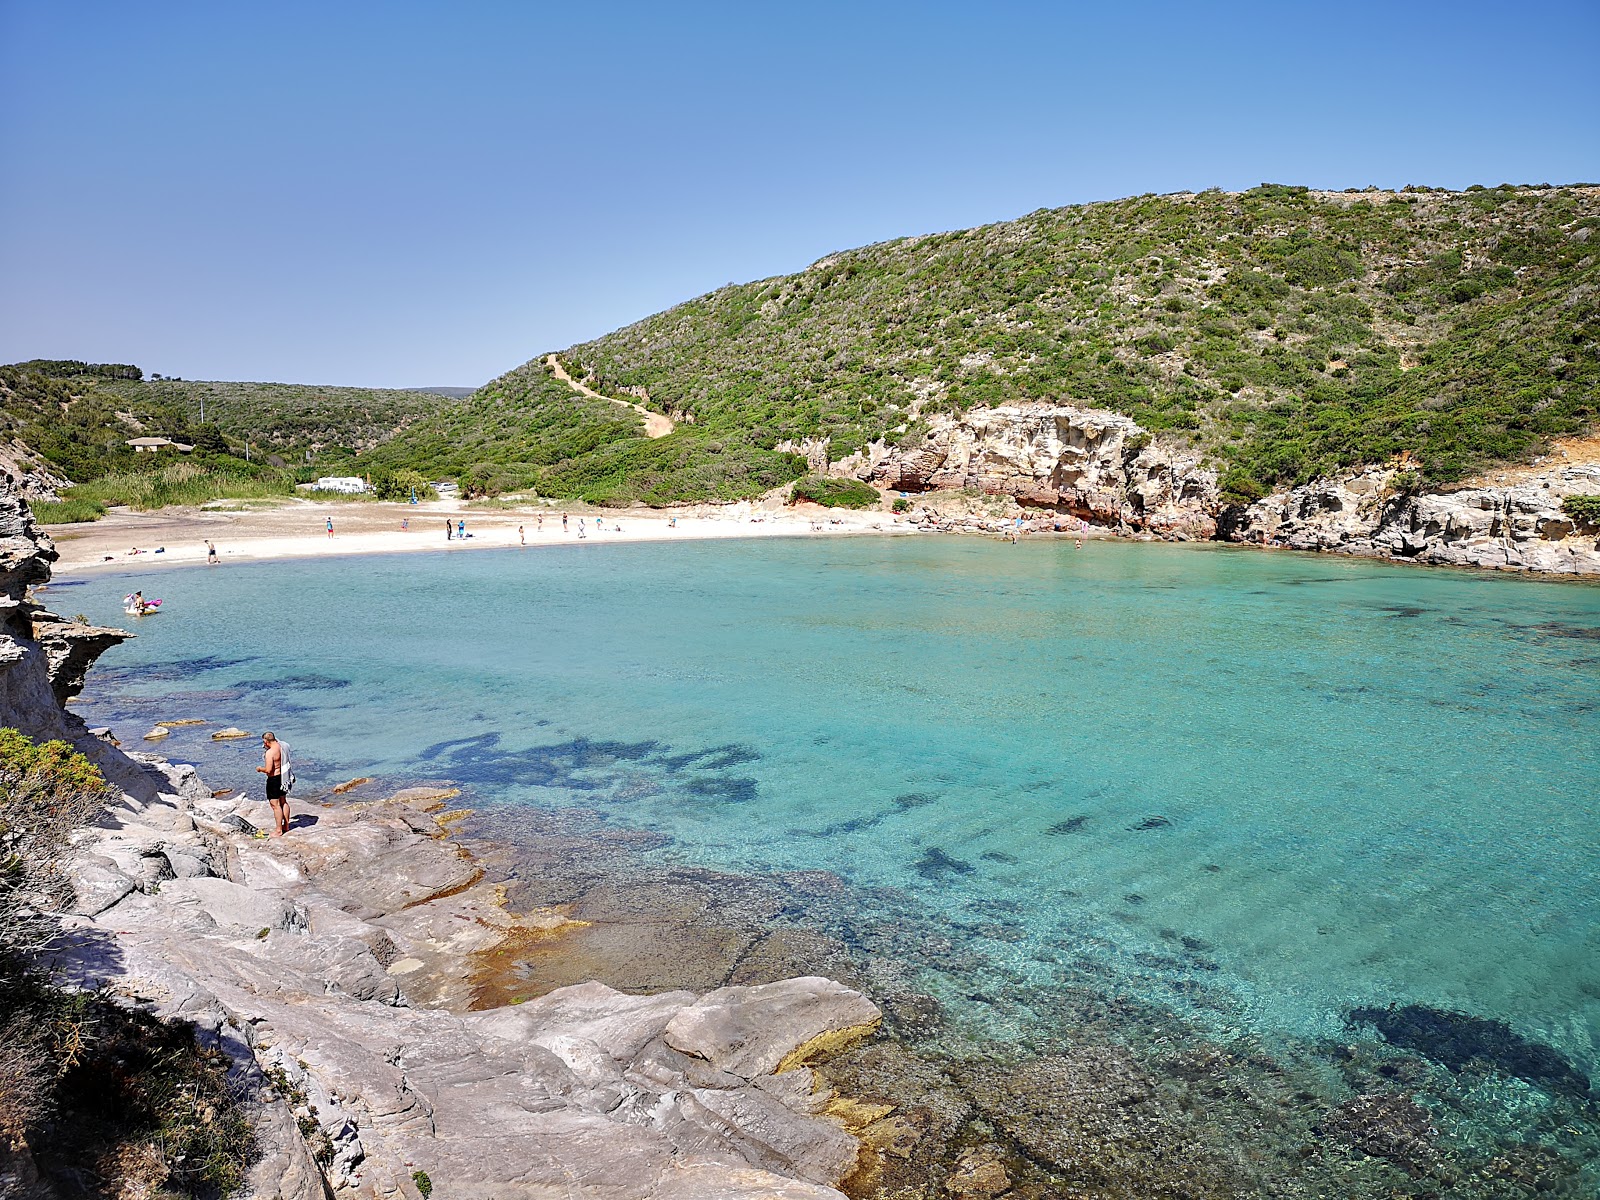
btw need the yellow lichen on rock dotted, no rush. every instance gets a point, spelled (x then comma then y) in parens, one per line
(830, 1042)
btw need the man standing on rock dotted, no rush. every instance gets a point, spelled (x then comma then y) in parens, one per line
(272, 768)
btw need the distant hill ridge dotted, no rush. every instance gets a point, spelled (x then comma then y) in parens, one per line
(1284, 332)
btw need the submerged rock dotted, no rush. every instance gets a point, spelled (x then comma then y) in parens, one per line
(1393, 1127)
(1457, 1039)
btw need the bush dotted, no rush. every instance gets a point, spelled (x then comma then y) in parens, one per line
(90, 1088)
(46, 790)
(1238, 486)
(401, 485)
(901, 505)
(836, 493)
(1582, 508)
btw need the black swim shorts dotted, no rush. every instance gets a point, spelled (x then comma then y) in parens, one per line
(274, 787)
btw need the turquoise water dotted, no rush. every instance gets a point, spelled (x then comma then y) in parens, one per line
(1312, 783)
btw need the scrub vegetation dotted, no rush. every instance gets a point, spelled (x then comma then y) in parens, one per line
(102, 1100)
(1286, 332)
(78, 418)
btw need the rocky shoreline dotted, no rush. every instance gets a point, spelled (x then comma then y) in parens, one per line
(405, 988)
(1059, 461)
(336, 969)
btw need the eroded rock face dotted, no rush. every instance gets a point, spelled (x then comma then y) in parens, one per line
(27, 474)
(1519, 526)
(43, 659)
(1103, 468)
(70, 649)
(1100, 466)
(25, 552)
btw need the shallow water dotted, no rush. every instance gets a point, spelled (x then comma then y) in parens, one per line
(1308, 783)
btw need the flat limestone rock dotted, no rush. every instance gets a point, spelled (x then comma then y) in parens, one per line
(236, 905)
(98, 883)
(230, 734)
(619, 1023)
(751, 1030)
(425, 797)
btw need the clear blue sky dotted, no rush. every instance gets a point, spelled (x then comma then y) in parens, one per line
(406, 193)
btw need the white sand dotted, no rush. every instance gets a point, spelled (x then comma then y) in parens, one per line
(297, 529)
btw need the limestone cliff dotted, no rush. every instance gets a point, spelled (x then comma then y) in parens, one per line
(1104, 468)
(1515, 525)
(27, 474)
(43, 657)
(1099, 466)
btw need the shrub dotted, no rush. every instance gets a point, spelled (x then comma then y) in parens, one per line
(46, 790)
(1582, 508)
(401, 485)
(836, 493)
(1406, 483)
(1238, 486)
(94, 1090)
(901, 505)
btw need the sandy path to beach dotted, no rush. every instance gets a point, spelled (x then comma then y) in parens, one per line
(298, 529)
(655, 424)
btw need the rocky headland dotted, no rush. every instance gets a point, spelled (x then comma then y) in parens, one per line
(1102, 468)
(342, 969)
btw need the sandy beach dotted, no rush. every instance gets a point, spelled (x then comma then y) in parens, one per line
(256, 531)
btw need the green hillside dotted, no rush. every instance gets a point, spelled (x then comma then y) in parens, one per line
(1285, 331)
(79, 416)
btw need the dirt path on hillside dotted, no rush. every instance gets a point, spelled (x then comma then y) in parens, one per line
(655, 424)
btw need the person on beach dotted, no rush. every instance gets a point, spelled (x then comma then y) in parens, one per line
(581, 533)
(330, 528)
(541, 522)
(520, 538)
(211, 554)
(563, 522)
(405, 524)
(272, 767)
(449, 529)
(461, 529)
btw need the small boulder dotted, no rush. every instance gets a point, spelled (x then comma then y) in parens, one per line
(230, 734)
(978, 1173)
(98, 883)
(156, 734)
(187, 866)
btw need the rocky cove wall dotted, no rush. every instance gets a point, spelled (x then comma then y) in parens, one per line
(337, 967)
(1103, 468)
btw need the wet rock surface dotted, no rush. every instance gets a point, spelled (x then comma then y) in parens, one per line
(1086, 1093)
